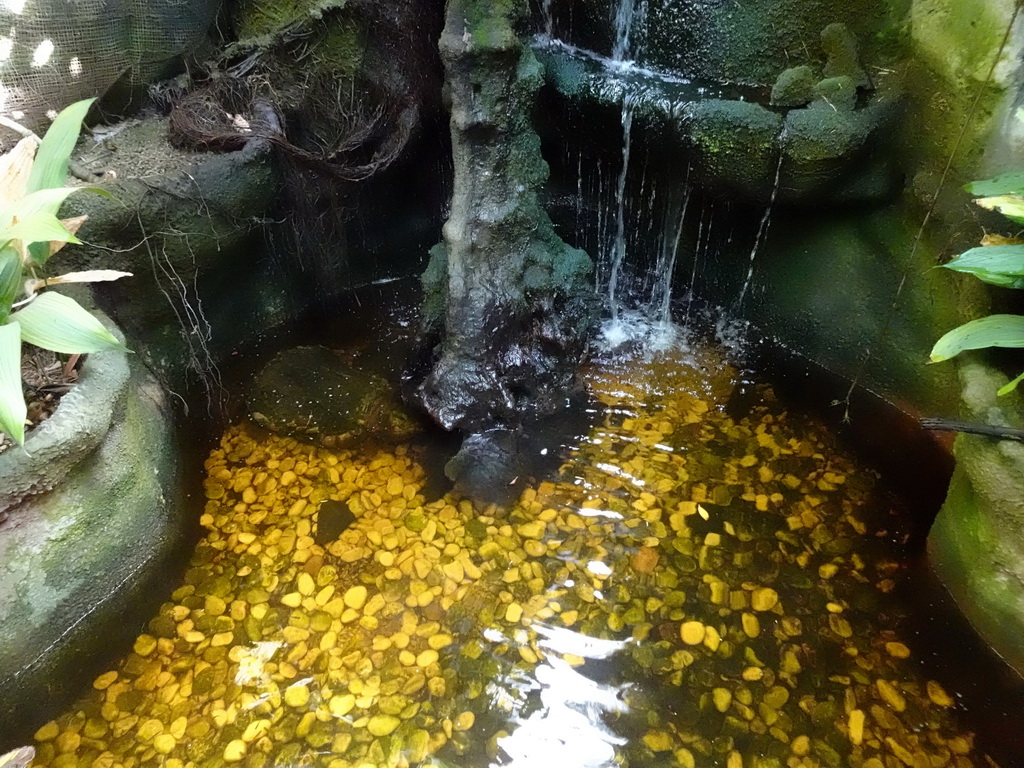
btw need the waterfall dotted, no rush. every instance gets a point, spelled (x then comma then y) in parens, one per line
(627, 15)
(762, 229)
(618, 251)
(545, 10)
(661, 293)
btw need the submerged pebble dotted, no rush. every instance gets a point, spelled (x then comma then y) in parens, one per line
(707, 569)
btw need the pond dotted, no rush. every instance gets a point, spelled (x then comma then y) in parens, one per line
(707, 579)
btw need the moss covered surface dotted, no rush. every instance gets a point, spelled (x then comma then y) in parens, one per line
(825, 287)
(977, 541)
(515, 297)
(955, 44)
(77, 561)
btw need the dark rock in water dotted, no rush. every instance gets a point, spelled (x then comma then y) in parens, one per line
(332, 518)
(488, 465)
(312, 393)
(794, 87)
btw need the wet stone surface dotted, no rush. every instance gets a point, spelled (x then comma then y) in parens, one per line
(314, 393)
(692, 589)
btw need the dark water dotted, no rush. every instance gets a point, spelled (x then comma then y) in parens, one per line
(710, 577)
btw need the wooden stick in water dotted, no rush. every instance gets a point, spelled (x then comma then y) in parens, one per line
(988, 430)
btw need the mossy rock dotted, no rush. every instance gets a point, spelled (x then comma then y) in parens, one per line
(314, 394)
(977, 541)
(94, 522)
(794, 87)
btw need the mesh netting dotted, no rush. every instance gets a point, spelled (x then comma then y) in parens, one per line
(55, 52)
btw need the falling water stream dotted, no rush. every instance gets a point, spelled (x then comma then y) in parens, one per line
(618, 248)
(765, 223)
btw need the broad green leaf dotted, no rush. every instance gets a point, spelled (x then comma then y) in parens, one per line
(1008, 388)
(1004, 184)
(994, 264)
(41, 201)
(46, 201)
(1011, 206)
(10, 280)
(991, 331)
(51, 166)
(12, 400)
(40, 228)
(54, 321)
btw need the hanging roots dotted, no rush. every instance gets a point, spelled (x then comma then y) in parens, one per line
(340, 134)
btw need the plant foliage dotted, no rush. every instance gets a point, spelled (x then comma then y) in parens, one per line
(1001, 265)
(32, 178)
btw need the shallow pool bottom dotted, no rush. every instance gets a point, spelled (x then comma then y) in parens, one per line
(700, 585)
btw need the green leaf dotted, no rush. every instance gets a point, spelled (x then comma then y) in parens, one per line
(1004, 184)
(51, 166)
(12, 401)
(1001, 265)
(991, 331)
(10, 280)
(1011, 206)
(1008, 388)
(54, 321)
(40, 228)
(41, 201)
(44, 201)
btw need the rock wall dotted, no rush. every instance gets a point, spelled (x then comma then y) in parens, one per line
(508, 303)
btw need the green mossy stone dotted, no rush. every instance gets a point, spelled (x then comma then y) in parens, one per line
(794, 87)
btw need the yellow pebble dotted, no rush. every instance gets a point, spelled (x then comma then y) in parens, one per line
(355, 597)
(164, 743)
(856, 725)
(722, 698)
(464, 721)
(938, 695)
(801, 746)
(890, 695)
(764, 599)
(692, 632)
(426, 658)
(296, 696)
(48, 731)
(382, 725)
(234, 751)
(439, 641)
(658, 741)
(342, 705)
(897, 650)
(306, 585)
(513, 613)
(105, 680)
